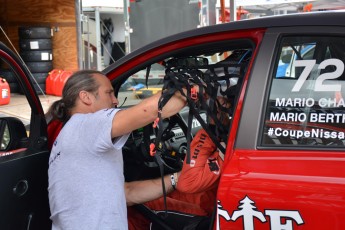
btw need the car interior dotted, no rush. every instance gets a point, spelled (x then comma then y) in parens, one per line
(215, 72)
(224, 75)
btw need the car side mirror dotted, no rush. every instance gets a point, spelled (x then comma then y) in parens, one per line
(12, 134)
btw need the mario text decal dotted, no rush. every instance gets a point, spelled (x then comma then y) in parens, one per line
(314, 98)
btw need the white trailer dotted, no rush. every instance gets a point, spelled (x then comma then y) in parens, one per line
(103, 37)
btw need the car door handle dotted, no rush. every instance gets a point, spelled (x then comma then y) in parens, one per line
(29, 221)
(21, 188)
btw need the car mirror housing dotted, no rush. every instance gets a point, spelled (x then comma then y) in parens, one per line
(12, 134)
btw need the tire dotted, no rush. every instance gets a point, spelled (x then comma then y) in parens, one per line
(8, 75)
(40, 78)
(36, 55)
(35, 44)
(40, 67)
(14, 87)
(34, 32)
(39, 87)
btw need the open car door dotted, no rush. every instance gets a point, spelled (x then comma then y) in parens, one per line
(23, 157)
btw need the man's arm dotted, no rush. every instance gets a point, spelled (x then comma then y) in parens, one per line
(138, 192)
(144, 113)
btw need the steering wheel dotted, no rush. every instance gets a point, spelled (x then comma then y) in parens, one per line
(170, 155)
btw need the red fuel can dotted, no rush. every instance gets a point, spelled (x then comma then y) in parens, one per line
(5, 93)
(60, 82)
(56, 81)
(50, 81)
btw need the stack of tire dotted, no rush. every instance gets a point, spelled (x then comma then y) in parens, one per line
(9, 76)
(36, 51)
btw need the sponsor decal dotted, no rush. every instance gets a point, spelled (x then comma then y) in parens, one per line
(247, 212)
(213, 165)
(320, 117)
(199, 146)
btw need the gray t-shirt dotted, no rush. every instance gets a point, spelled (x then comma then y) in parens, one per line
(86, 181)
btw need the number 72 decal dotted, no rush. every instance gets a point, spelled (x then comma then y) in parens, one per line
(319, 86)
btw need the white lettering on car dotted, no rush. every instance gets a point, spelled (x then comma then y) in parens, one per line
(339, 69)
(295, 102)
(300, 117)
(313, 117)
(221, 212)
(327, 117)
(309, 65)
(247, 212)
(309, 102)
(331, 102)
(313, 133)
(277, 215)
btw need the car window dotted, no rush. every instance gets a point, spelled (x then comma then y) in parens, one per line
(137, 88)
(305, 104)
(218, 68)
(145, 83)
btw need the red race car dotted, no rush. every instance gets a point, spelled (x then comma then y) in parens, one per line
(284, 147)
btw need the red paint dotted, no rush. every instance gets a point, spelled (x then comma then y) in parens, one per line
(255, 35)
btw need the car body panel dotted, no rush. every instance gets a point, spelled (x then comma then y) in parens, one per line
(171, 45)
(308, 183)
(305, 188)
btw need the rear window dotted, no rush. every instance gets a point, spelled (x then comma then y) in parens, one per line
(306, 98)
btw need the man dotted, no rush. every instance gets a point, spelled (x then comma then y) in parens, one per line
(86, 181)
